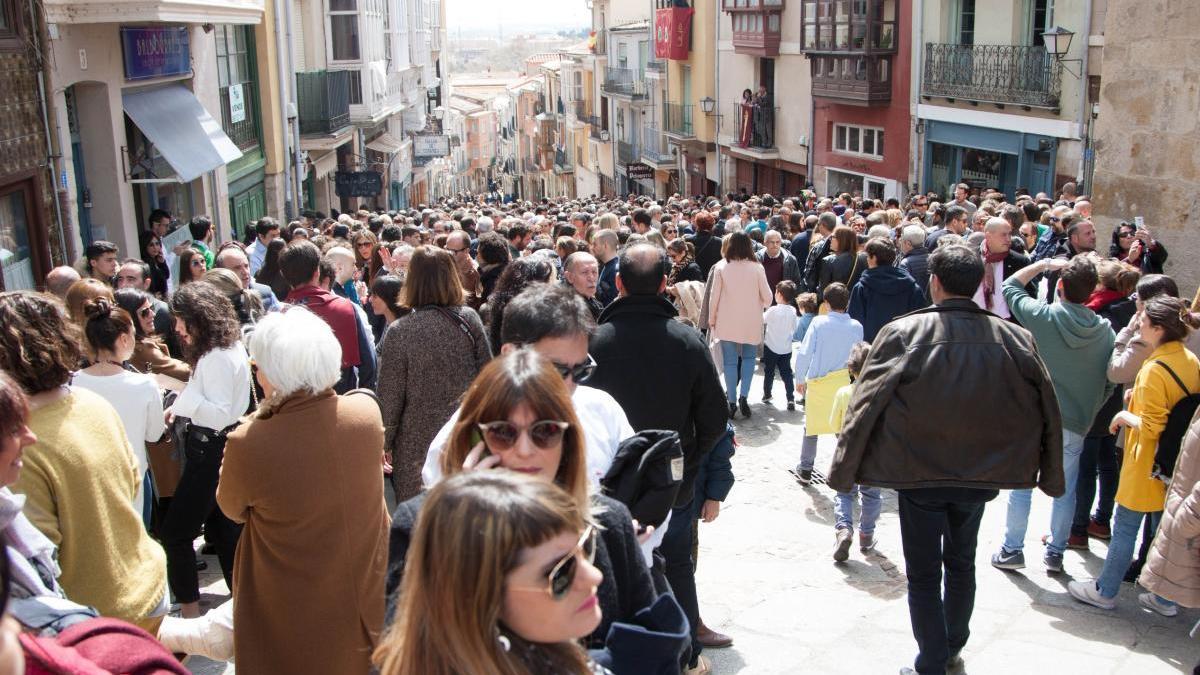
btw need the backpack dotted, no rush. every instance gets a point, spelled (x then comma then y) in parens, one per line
(646, 474)
(1171, 439)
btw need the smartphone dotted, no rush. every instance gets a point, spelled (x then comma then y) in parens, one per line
(1139, 222)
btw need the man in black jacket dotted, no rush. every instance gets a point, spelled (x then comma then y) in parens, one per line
(953, 356)
(661, 373)
(816, 254)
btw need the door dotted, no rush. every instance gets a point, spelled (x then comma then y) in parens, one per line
(24, 258)
(766, 74)
(246, 208)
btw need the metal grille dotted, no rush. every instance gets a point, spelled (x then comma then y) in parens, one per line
(624, 82)
(1010, 74)
(679, 119)
(324, 98)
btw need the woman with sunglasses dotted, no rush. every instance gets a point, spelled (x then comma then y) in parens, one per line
(1136, 246)
(520, 554)
(160, 271)
(191, 267)
(518, 415)
(150, 352)
(366, 254)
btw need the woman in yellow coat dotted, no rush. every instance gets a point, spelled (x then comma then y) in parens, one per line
(1165, 324)
(305, 476)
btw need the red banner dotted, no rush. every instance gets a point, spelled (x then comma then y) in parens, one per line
(673, 33)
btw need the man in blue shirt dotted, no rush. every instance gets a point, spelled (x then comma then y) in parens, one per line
(761, 223)
(604, 247)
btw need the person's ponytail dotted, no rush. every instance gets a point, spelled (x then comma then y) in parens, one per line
(104, 323)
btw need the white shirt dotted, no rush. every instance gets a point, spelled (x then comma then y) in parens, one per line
(999, 305)
(218, 392)
(781, 323)
(139, 405)
(604, 427)
(256, 252)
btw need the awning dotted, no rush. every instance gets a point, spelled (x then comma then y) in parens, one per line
(325, 164)
(177, 124)
(385, 143)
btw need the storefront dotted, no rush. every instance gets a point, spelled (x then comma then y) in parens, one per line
(839, 181)
(987, 158)
(774, 177)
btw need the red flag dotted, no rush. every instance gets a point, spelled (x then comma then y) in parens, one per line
(673, 33)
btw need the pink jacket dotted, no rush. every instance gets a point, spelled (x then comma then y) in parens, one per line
(739, 295)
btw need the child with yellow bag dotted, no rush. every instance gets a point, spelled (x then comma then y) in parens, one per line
(820, 370)
(871, 497)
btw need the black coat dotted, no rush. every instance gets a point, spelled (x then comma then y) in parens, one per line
(708, 251)
(841, 267)
(625, 590)
(661, 373)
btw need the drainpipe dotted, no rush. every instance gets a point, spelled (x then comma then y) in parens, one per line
(289, 199)
(1083, 113)
(916, 72)
(52, 159)
(717, 85)
(299, 171)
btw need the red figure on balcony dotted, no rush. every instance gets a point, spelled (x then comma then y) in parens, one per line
(745, 119)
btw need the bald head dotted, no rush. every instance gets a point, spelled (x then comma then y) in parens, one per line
(60, 279)
(642, 270)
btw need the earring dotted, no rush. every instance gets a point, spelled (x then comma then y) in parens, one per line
(504, 642)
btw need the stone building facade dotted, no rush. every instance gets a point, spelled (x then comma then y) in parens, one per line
(1148, 129)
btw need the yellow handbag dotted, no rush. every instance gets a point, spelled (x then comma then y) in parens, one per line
(818, 402)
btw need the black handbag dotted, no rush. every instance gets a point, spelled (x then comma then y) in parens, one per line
(646, 475)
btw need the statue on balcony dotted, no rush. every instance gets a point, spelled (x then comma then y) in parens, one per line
(764, 118)
(745, 119)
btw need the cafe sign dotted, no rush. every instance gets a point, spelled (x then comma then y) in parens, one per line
(155, 51)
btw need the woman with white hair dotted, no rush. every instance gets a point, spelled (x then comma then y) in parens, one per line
(303, 476)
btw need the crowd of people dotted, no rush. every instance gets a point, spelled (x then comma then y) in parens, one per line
(547, 392)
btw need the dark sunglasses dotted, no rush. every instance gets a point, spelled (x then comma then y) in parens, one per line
(580, 372)
(503, 435)
(562, 575)
(146, 312)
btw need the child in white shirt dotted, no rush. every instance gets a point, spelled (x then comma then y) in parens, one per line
(781, 321)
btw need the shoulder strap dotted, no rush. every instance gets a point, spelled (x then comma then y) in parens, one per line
(457, 318)
(1174, 377)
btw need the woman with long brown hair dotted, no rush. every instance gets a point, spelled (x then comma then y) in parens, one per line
(500, 580)
(517, 415)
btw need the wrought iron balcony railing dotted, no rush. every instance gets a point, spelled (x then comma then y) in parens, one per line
(581, 110)
(624, 82)
(656, 66)
(677, 119)
(1004, 74)
(654, 146)
(596, 128)
(627, 153)
(324, 101)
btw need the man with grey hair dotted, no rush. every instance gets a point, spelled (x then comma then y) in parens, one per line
(778, 263)
(236, 261)
(59, 279)
(656, 217)
(916, 256)
(484, 224)
(581, 271)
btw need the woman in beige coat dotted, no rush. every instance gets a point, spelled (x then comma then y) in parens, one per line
(1172, 570)
(739, 295)
(304, 474)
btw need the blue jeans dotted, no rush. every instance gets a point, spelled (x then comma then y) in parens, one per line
(1061, 514)
(783, 362)
(730, 353)
(872, 504)
(1126, 524)
(1099, 459)
(808, 453)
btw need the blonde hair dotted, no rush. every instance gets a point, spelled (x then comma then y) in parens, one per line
(470, 533)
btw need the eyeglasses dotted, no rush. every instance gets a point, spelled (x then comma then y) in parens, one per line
(503, 435)
(146, 312)
(580, 372)
(456, 250)
(562, 575)
(1125, 235)
(364, 244)
(671, 231)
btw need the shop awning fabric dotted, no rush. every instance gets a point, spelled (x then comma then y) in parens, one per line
(385, 143)
(188, 138)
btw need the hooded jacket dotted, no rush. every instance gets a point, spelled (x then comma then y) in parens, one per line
(1075, 344)
(882, 294)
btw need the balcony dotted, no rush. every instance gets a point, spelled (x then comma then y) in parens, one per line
(756, 26)
(627, 153)
(858, 80)
(754, 128)
(624, 82)
(596, 42)
(581, 110)
(656, 66)
(596, 129)
(677, 119)
(153, 11)
(324, 101)
(655, 149)
(1000, 74)
(563, 162)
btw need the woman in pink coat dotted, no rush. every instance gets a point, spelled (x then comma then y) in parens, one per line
(739, 295)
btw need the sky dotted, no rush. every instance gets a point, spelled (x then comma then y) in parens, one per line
(515, 15)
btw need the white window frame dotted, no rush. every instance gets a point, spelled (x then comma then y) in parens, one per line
(860, 132)
(357, 14)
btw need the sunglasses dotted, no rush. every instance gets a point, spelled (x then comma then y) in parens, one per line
(579, 372)
(1125, 235)
(503, 435)
(146, 312)
(670, 231)
(562, 575)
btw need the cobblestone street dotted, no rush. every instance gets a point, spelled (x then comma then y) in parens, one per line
(766, 577)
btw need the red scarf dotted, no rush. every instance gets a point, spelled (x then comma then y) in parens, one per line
(989, 273)
(336, 311)
(1102, 298)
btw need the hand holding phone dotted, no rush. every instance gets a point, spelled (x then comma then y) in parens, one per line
(1139, 222)
(479, 457)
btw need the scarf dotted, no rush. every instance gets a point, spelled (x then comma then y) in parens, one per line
(1102, 298)
(676, 268)
(989, 274)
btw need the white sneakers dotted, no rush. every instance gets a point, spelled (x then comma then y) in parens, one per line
(1151, 602)
(1086, 591)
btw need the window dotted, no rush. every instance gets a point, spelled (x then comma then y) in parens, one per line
(237, 78)
(622, 55)
(17, 255)
(861, 141)
(849, 25)
(1040, 18)
(10, 25)
(966, 22)
(343, 31)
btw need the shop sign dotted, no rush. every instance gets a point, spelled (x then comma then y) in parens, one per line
(673, 33)
(237, 104)
(639, 172)
(358, 183)
(157, 51)
(431, 145)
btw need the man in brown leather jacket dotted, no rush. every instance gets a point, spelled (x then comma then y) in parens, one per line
(953, 405)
